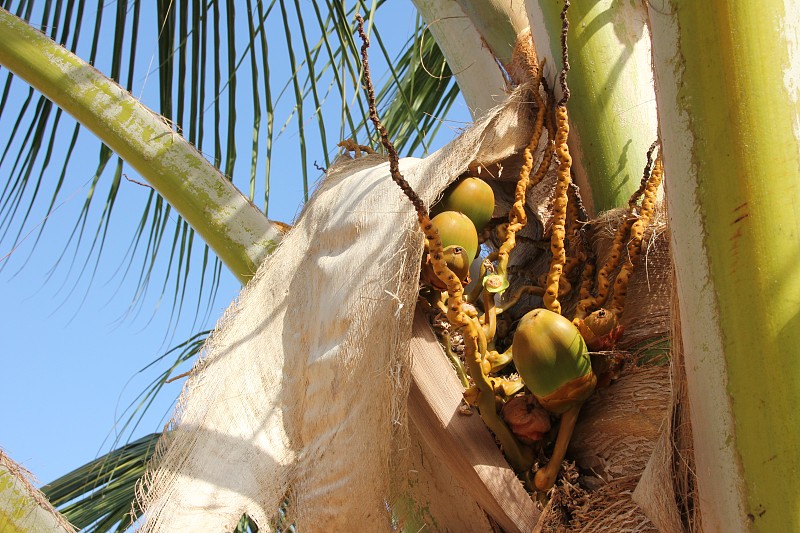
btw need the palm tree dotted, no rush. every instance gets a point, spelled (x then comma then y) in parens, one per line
(730, 116)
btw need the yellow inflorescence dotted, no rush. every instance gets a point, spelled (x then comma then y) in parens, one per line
(589, 302)
(637, 234)
(573, 230)
(517, 217)
(550, 150)
(587, 282)
(559, 212)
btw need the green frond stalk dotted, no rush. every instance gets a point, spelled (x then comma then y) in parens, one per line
(612, 107)
(232, 226)
(22, 507)
(728, 80)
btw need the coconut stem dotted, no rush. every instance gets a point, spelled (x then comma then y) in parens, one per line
(518, 293)
(545, 477)
(496, 361)
(455, 360)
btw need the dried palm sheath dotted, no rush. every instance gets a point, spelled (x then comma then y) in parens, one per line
(301, 391)
(667, 491)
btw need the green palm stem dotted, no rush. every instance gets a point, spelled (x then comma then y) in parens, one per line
(612, 107)
(727, 75)
(22, 507)
(519, 456)
(499, 23)
(455, 360)
(233, 227)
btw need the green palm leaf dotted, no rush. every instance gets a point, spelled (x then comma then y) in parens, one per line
(200, 53)
(100, 495)
(322, 77)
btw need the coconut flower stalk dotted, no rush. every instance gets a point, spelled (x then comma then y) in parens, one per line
(517, 218)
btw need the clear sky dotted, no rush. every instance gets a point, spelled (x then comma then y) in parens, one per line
(72, 350)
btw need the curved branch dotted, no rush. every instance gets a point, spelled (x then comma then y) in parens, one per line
(233, 227)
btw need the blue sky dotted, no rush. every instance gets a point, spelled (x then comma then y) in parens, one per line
(73, 349)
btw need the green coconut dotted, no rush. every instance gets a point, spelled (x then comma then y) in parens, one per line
(471, 196)
(456, 229)
(553, 361)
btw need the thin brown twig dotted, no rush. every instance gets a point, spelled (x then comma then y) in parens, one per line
(394, 166)
(137, 182)
(645, 176)
(564, 55)
(179, 376)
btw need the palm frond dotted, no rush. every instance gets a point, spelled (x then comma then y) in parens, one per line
(183, 353)
(200, 54)
(100, 495)
(420, 92)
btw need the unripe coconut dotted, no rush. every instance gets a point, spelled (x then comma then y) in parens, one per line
(457, 261)
(601, 330)
(471, 196)
(456, 229)
(459, 247)
(551, 357)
